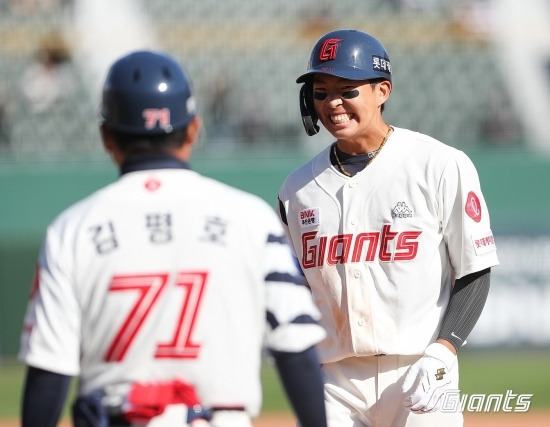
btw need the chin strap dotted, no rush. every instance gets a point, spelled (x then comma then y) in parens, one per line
(309, 117)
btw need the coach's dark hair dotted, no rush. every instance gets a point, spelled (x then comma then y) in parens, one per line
(137, 144)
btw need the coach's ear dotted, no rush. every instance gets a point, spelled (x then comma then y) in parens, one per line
(193, 129)
(191, 137)
(109, 145)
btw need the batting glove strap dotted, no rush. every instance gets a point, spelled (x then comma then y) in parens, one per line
(440, 352)
(427, 380)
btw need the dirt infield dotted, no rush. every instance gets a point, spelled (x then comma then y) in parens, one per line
(530, 419)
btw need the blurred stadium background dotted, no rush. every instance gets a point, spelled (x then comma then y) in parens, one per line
(472, 73)
(450, 76)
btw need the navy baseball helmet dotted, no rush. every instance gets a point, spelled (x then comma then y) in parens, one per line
(147, 93)
(350, 54)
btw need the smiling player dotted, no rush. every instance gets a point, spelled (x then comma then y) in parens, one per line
(393, 234)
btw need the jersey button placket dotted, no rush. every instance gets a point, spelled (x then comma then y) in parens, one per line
(352, 222)
(357, 275)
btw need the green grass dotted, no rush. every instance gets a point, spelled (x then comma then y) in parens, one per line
(497, 371)
(490, 372)
(273, 396)
(11, 378)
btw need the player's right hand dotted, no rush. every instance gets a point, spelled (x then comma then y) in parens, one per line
(427, 380)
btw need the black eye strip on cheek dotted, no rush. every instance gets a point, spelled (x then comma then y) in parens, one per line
(351, 94)
(319, 96)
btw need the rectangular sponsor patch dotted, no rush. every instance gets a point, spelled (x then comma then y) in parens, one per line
(309, 217)
(484, 242)
(381, 64)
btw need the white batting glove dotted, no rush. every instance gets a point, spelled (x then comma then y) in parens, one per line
(427, 380)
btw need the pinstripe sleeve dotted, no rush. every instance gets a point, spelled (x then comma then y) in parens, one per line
(291, 314)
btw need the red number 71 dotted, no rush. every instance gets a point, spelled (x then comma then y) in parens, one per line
(149, 288)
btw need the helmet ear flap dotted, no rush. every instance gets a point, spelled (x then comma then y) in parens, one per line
(307, 110)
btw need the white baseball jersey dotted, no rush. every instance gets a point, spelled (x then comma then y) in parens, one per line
(381, 249)
(167, 274)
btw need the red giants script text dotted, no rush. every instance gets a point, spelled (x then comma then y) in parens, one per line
(362, 247)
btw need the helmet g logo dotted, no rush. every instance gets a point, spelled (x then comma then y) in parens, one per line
(329, 49)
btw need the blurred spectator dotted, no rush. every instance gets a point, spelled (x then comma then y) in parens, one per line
(253, 121)
(317, 17)
(219, 111)
(29, 6)
(49, 79)
(473, 20)
(4, 127)
(426, 7)
(499, 125)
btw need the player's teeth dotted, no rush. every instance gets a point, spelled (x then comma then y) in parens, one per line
(340, 118)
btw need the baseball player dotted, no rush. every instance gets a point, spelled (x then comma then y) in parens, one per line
(392, 232)
(159, 290)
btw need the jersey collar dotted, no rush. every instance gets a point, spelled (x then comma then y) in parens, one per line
(141, 162)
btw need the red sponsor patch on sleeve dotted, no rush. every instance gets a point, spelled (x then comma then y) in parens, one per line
(473, 206)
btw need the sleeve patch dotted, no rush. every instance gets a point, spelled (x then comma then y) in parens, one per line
(473, 207)
(484, 242)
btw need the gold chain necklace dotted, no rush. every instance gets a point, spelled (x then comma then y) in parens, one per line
(341, 166)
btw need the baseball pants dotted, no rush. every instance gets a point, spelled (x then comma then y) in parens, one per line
(366, 392)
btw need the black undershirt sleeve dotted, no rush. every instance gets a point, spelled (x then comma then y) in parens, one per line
(468, 298)
(282, 211)
(44, 395)
(303, 383)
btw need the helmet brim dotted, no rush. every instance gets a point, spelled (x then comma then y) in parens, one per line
(345, 72)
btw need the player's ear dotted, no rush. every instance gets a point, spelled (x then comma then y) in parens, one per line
(384, 89)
